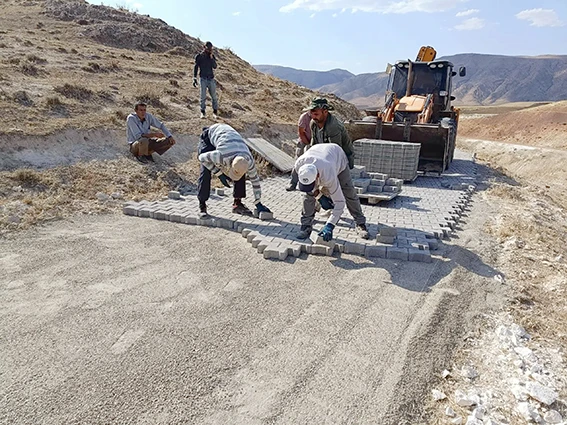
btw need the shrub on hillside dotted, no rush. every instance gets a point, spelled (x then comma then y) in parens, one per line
(73, 91)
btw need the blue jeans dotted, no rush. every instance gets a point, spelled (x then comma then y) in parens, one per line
(212, 86)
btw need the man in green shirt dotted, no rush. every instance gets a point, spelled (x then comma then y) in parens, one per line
(326, 128)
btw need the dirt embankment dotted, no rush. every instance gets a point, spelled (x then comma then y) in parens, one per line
(542, 126)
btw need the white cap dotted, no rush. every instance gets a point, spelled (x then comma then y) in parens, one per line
(238, 168)
(307, 174)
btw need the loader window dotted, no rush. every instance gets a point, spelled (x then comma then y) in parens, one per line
(428, 80)
(399, 81)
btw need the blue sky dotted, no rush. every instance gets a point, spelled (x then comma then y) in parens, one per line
(364, 35)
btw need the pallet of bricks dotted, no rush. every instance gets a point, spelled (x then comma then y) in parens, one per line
(375, 187)
(395, 159)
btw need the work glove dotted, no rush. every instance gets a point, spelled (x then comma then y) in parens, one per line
(327, 232)
(350, 161)
(225, 180)
(194, 82)
(326, 203)
(262, 208)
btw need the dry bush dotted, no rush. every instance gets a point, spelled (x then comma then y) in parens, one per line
(3, 46)
(22, 98)
(174, 82)
(14, 61)
(72, 91)
(35, 59)
(149, 96)
(29, 69)
(54, 103)
(93, 67)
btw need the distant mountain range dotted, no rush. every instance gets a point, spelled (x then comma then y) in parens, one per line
(309, 79)
(490, 79)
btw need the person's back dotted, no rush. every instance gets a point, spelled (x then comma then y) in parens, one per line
(227, 140)
(329, 159)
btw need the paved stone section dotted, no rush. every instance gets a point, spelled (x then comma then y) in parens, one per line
(405, 228)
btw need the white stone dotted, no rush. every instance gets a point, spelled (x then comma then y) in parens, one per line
(457, 421)
(465, 400)
(438, 395)
(553, 417)
(529, 412)
(490, 422)
(471, 420)
(116, 195)
(526, 354)
(469, 372)
(479, 412)
(102, 197)
(499, 278)
(541, 393)
(450, 412)
(520, 392)
(446, 374)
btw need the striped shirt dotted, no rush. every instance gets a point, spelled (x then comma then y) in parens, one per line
(229, 144)
(136, 128)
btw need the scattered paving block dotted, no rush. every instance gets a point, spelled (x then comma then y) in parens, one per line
(128, 210)
(275, 251)
(394, 182)
(419, 255)
(321, 250)
(177, 218)
(377, 182)
(174, 194)
(294, 249)
(375, 189)
(379, 250)
(391, 189)
(433, 244)
(219, 191)
(354, 248)
(251, 235)
(395, 253)
(385, 239)
(189, 219)
(161, 215)
(321, 241)
(387, 231)
(265, 216)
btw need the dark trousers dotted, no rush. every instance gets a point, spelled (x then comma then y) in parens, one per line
(204, 190)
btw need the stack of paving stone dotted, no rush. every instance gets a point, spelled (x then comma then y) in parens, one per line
(375, 187)
(396, 159)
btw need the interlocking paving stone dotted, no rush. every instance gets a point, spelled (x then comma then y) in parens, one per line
(428, 209)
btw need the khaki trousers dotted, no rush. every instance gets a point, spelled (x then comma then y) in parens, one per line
(145, 146)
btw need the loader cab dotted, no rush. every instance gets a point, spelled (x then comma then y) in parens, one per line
(426, 78)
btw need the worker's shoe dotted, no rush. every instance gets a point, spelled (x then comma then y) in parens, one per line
(304, 233)
(142, 159)
(362, 231)
(239, 208)
(149, 158)
(215, 115)
(291, 187)
(203, 210)
(202, 114)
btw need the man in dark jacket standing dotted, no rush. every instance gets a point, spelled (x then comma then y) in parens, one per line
(206, 62)
(325, 128)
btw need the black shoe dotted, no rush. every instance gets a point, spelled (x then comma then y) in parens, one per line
(142, 159)
(149, 158)
(362, 231)
(304, 233)
(240, 208)
(291, 188)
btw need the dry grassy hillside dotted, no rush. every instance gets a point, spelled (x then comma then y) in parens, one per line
(69, 64)
(542, 126)
(70, 72)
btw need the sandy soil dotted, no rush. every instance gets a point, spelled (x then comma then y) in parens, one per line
(113, 319)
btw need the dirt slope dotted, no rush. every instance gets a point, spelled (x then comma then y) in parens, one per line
(69, 64)
(543, 126)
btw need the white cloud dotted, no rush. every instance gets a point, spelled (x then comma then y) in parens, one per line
(470, 24)
(335, 15)
(467, 13)
(379, 6)
(541, 17)
(312, 15)
(236, 14)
